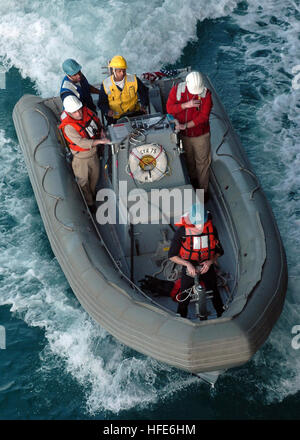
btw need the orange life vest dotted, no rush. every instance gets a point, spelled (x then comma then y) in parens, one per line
(197, 246)
(88, 127)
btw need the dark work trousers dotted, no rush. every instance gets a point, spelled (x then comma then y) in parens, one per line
(210, 280)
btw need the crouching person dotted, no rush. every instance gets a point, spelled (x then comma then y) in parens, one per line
(196, 246)
(83, 132)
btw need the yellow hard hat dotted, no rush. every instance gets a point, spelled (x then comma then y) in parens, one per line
(118, 62)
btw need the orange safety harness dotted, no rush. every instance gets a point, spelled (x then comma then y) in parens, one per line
(197, 246)
(88, 127)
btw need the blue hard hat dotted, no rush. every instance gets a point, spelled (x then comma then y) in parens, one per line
(197, 214)
(71, 67)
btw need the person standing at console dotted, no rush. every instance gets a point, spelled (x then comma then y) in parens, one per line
(83, 132)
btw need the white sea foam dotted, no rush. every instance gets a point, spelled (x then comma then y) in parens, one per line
(36, 38)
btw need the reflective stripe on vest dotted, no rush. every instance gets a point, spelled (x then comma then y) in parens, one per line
(81, 90)
(124, 101)
(198, 247)
(88, 127)
(68, 86)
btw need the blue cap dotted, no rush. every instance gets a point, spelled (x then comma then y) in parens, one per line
(71, 67)
(197, 214)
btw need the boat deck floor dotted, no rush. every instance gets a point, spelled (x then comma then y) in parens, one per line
(151, 269)
(146, 264)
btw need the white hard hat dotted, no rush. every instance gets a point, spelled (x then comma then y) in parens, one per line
(71, 104)
(195, 83)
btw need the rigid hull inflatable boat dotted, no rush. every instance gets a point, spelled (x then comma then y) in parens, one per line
(105, 263)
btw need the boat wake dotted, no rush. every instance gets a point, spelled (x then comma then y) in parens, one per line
(115, 378)
(148, 36)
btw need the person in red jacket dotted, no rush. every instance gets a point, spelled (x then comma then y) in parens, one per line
(83, 131)
(190, 103)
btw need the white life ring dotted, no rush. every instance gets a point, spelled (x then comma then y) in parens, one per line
(148, 162)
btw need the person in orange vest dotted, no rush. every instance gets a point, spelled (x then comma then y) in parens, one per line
(83, 132)
(196, 247)
(190, 102)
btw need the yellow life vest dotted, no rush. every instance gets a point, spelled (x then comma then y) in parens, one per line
(122, 101)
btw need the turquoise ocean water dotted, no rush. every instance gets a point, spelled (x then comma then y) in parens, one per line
(59, 364)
